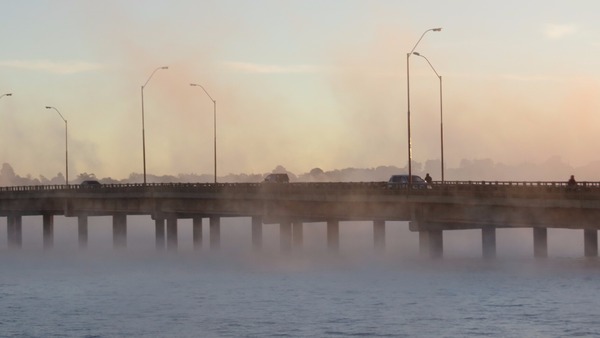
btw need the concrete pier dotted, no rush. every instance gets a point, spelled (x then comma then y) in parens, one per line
(159, 224)
(379, 235)
(257, 232)
(540, 242)
(424, 243)
(119, 231)
(285, 236)
(14, 231)
(172, 233)
(590, 243)
(291, 235)
(333, 235)
(488, 242)
(297, 234)
(82, 231)
(431, 243)
(197, 232)
(215, 232)
(48, 232)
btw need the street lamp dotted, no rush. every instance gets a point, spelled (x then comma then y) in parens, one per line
(441, 110)
(408, 101)
(66, 146)
(214, 122)
(143, 129)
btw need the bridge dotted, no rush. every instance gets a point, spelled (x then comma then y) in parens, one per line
(430, 211)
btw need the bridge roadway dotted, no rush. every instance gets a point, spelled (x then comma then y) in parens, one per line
(442, 207)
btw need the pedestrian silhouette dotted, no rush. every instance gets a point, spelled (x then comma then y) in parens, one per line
(428, 179)
(571, 184)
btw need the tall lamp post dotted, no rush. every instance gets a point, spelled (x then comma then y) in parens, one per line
(66, 146)
(408, 101)
(7, 94)
(441, 111)
(143, 128)
(214, 124)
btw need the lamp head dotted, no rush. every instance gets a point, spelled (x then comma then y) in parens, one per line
(9, 94)
(417, 53)
(437, 29)
(48, 107)
(168, 67)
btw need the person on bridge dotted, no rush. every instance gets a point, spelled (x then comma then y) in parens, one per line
(571, 184)
(429, 180)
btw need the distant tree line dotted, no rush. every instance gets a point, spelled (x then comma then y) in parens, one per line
(554, 169)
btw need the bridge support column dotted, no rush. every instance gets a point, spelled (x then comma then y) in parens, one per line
(256, 233)
(297, 234)
(540, 242)
(488, 242)
(285, 236)
(82, 231)
(379, 235)
(14, 231)
(590, 242)
(197, 232)
(119, 231)
(48, 224)
(215, 232)
(172, 233)
(424, 243)
(431, 243)
(333, 235)
(159, 225)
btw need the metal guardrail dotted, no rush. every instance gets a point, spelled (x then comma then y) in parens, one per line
(520, 183)
(337, 186)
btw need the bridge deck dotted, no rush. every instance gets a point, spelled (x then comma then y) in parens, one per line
(452, 205)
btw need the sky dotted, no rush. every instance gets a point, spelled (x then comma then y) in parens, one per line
(301, 84)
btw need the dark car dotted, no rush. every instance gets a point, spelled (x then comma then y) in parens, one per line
(402, 181)
(277, 178)
(90, 183)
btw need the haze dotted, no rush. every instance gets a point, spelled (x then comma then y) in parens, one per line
(302, 84)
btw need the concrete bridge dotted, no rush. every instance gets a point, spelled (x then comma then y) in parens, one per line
(431, 211)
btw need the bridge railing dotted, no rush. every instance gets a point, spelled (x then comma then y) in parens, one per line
(341, 187)
(519, 183)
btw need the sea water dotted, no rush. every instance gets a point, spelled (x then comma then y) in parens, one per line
(139, 292)
(117, 295)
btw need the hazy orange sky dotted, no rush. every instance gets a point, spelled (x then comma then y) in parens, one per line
(301, 84)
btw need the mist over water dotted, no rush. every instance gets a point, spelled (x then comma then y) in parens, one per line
(215, 295)
(233, 292)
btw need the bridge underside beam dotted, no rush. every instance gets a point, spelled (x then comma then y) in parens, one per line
(523, 214)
